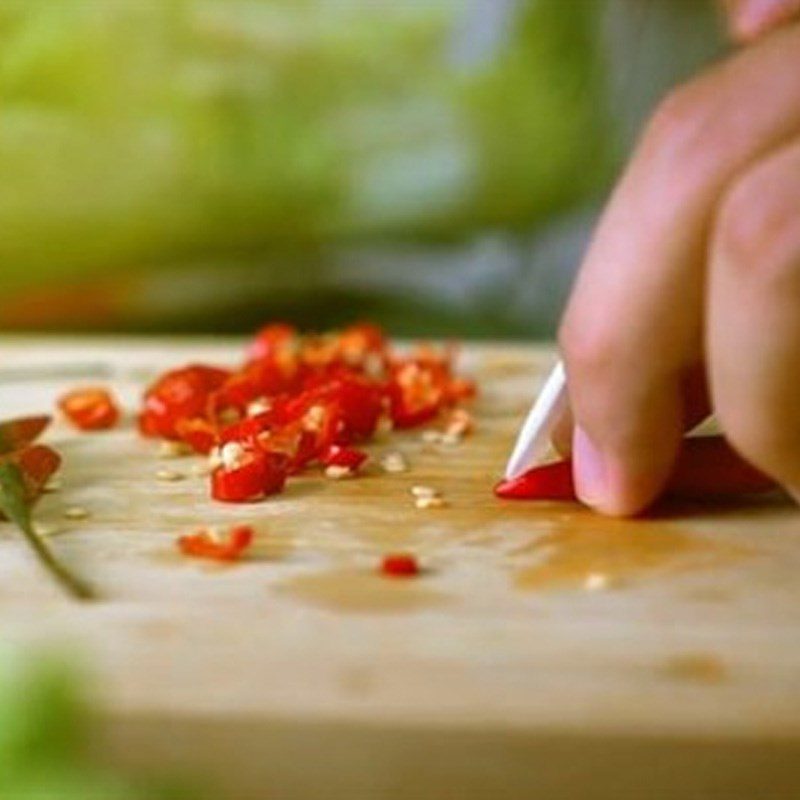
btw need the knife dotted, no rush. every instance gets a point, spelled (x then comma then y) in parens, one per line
(533, 442)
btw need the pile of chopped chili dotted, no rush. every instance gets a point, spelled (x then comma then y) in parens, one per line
(298, 400)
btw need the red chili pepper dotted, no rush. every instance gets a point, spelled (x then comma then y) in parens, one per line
(256, 380)
(271, 341)
(706, 467)
(17, 433)
(90, 409)
(260, 474)
(229, 547)
(179, 395)
(399, 565)
(550, 482)
(358, 342)
(321, 390)
(339, 456)
(416, 393)
(198, 433)
(248, 430)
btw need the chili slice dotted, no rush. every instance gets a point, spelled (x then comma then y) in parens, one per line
(228, 547)
(90, 409)
(339, 456)
(399, 565)
(259, 474)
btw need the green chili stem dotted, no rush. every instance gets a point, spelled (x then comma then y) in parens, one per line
(15, 507)
(74, 585)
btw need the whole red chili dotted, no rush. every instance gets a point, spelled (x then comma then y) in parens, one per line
(399, 565)
(90, 409)
(229, 546)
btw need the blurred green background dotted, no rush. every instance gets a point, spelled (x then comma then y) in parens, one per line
(203, 165)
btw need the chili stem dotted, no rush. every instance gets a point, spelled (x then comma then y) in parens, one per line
(17, 510)
(74, 585)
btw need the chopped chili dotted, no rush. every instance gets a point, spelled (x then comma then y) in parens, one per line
(90, 409)
(300, 400)
(340, 456)
(256, 476)
(229, 546)
(399, 565)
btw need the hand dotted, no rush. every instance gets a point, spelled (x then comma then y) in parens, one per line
(689, 296)
(749, 19)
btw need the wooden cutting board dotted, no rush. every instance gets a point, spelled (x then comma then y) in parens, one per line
(545, 653)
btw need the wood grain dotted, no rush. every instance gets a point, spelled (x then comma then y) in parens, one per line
(509, 653)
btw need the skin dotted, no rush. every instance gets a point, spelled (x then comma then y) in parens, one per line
(688, 297)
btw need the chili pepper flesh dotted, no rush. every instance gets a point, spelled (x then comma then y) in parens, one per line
(399, 565)
(229, 546)
(90, 409)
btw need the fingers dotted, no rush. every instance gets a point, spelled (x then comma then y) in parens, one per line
(754, 316)
(750, 19)
(632, 332)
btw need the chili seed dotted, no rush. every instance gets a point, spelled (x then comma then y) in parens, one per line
(314, 419)
(596, 582)
(43, 529)
(394, 463)
(53, 485)
(424, 491)
(170, 449)
(169, 476)
(214, 458)
(257, 407)
(232, 455)
(338, 473)
(430, 502)
(76, 512)
(460, 423)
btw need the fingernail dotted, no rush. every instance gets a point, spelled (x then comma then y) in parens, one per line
(757, 15)
(592, 483)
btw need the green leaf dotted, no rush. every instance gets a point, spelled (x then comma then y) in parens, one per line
(12, 495)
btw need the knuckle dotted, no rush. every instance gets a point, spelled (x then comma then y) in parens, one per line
(757, 228)
(587, 351)
(682, 126)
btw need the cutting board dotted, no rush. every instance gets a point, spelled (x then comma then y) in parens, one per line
(545, 652)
